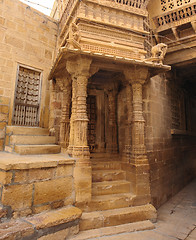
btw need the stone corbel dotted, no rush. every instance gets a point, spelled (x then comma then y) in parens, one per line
(194, 25)
(175, 33)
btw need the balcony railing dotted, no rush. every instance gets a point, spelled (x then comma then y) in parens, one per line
(176, 17)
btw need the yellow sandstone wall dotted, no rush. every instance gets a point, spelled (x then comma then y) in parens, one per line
(27, 37)
(171, 156)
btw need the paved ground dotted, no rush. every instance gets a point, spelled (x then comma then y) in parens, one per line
(176, 220)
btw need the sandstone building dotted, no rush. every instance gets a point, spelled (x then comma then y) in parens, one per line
(83, 82)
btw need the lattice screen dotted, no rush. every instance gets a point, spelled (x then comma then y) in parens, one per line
(168, 5)
(26, 105)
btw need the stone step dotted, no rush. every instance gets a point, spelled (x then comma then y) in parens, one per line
(104, 165)
(110, 187)
(37, 149)
(22, 130)
(33, 140)
(114, 230)
(54, 224)
(108, 175)
(100, 219)
(106, 202)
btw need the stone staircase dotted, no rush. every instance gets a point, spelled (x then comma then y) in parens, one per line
(112, 201)
(30, 140)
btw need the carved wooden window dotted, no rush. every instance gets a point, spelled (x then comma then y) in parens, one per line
(27, 97)
(178, 109)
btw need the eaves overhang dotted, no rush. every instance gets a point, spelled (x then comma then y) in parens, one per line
(66, 53)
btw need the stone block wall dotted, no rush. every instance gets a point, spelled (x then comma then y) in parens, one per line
(26, 189)
(27, 37)
(171, 156)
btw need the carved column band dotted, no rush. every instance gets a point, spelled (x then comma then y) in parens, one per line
(81, 111)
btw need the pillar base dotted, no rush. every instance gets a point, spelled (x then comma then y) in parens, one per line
(81, 152)
(70, 150)
(139, 177)
(82, 174)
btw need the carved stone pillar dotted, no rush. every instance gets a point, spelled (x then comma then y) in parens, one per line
(79, 69)
(64, 124)
(139, 166)
(127, 148)
(112, 144)
(73, 115)
(53, 93)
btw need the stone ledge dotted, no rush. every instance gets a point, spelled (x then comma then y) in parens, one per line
(13, 161)
(63, 221)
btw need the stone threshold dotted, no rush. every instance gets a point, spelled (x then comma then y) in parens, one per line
(114, 230)
(10, 161)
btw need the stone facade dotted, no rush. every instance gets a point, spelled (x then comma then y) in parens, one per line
(126, 121)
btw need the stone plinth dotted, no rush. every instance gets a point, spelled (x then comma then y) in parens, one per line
(32, 185)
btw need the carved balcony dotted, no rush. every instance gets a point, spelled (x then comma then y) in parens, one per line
(114, 27)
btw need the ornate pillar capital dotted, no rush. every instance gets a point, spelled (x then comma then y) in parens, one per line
(136, 74)
(79, 66)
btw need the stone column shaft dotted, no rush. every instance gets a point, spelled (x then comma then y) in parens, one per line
(52, 107)
(73, 115)
(138, 124)
(81, 120)
(112, 102)
(127, 147)
(64, 124)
